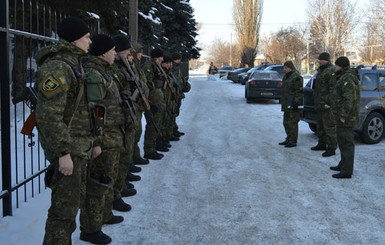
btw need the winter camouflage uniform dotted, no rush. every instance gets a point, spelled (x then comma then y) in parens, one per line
(155, 83)
(326, 130)
(345, 104)
(102, 89)
(58, 87)
(292, 93)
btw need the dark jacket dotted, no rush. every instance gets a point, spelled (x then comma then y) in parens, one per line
(292, 90)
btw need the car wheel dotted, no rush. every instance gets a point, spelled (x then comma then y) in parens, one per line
(313, 127)
(373, 129)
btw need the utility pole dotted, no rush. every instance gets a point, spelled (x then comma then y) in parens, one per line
(133, 20)
(231, 47)
(307, 57)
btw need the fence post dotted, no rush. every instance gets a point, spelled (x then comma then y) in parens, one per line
(5, 107)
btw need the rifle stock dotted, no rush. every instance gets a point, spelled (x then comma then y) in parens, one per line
(29, 124)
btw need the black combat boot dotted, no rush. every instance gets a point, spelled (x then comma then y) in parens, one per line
(283, 143)
(129, 185)
(335, 168)
(116, 219)
(128, 192)
(134, 169)
(173, 138)
(319, 147)
(162, 148)
(153, 155)
(141, 161)
(96, 238)
(120, 205)
(329, 152)
(133, 177)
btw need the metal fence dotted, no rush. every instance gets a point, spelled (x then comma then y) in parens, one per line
(25, 27)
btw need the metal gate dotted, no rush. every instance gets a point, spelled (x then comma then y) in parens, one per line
(25, 27)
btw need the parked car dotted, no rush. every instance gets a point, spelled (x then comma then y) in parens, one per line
(234, 75)
(372, 109)
(277, 68)
(244, 77)
(225, 70)
(263, 85)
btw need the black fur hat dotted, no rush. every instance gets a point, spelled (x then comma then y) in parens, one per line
(72, 29)
(343, 62)
(101, 44)
(121, 42)
(156, 53)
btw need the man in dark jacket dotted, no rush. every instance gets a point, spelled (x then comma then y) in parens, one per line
(326, 130)
(292, 93)
(346, 111)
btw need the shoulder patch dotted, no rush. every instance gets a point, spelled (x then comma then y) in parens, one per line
(345, 83)
(50, 84)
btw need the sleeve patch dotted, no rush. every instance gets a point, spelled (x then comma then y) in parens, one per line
(345, 83)
(50, 85)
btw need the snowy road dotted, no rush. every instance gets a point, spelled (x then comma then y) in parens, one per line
(229, 182)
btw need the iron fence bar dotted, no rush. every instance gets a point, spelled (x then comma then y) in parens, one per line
(27, 34)
(5, 108)
(6, 193)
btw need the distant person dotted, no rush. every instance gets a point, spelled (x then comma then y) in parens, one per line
(212, 71)
(326, 129)
(345, 107)
(292, 93)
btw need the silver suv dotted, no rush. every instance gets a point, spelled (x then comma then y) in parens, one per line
(372, 112)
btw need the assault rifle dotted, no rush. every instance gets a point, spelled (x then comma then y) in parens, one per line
(147, 108)
(167, 82)
(30, 97)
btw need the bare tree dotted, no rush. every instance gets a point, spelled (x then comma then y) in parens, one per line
(331, 25)
(286, 44)
(219, 53)
(373, 48)
(247, 15)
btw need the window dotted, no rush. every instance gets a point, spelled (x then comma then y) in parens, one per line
(382, 81)
(369, 81)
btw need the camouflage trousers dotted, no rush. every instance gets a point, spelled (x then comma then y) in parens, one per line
(151, 134)
(167, 127)
(290, 122)
(138, 134)
(326, 129)
(99, 194)
(345, 138)
(67, 197)
(125, 161)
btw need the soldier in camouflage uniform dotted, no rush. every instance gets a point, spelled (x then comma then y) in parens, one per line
(169, 93)
(181, 86)
(137, 52)
(155, 83)
(345, 106)
(326, 130)
(106, 105)
(292, 94)
(64, 127)
(121, 189)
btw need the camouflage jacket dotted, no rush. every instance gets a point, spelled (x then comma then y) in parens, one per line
(345, 99)
(292, 88)
(155, 81)
(58, 85)
(323, 86)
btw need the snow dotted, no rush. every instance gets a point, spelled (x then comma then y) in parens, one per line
(227, 181)
(93, 15)
(150, 17)
(167, 7)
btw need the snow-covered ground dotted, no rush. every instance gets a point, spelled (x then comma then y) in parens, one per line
(227, 181)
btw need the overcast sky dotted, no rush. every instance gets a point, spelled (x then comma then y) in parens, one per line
(216, 17)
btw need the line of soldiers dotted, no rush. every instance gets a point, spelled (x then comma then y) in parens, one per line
(337, 102)
(88, 115)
